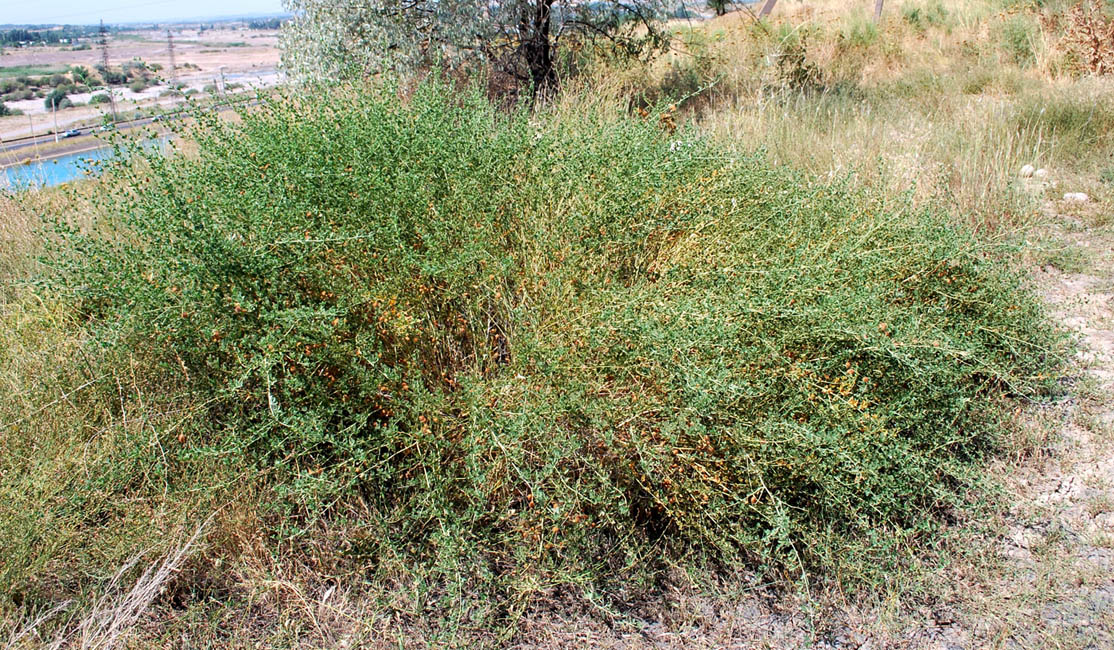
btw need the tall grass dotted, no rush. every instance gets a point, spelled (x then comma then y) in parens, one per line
(936, 102)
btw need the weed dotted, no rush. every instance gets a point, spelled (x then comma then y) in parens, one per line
(922, 17)
(1090, 36)
(1017, 36)
(523, 340)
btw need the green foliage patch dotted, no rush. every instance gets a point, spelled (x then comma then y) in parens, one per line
(1017, 36)
(550, 349)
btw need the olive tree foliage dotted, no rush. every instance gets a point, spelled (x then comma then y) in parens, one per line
(331, 39)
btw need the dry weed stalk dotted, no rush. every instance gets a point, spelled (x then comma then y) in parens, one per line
(116, 612)
(19, 632)
(1090, 34)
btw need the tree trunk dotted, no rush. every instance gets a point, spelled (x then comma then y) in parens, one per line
(538, 50)
(878, 10)
(767, 8)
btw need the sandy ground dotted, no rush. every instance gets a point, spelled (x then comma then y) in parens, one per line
(253, 64)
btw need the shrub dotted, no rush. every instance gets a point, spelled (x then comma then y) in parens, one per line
(4, 110)
(921, 17)
(99, 98)
(1090, 37)
(56, 99)
(80, 74)
(18, 95)
(136, 68)
(137, 86)
(1017, 36)
(858, 32)
(549, 348)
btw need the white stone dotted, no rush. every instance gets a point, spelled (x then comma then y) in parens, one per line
(1078, 197)
(1027, 171)
(1041, 174)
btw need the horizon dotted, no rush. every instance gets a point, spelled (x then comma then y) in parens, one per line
(73, 12)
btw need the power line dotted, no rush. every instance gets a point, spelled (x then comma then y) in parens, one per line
(170, 51)
(103, 42)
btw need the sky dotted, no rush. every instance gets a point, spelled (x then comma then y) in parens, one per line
(119, 11)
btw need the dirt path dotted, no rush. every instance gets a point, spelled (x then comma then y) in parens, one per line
(1061, 537)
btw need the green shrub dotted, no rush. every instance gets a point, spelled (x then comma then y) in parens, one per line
(137, 86)
(18, 95)
(858, 32)
(1017, 35)
(56, 99)
(80, 74)
(542, 349)
(922, 16)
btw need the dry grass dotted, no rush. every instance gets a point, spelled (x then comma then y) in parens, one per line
(945, 100)
(113, 616)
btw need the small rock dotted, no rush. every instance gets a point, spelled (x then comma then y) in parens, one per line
(1027, 171)
(1020, 539)
(1078, 197)
(1041, 174)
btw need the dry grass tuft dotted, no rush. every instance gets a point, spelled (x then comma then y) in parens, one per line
(114, 615)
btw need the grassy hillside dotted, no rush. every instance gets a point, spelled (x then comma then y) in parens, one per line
(757, 304)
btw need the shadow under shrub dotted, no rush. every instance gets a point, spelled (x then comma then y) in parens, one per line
(542, 348)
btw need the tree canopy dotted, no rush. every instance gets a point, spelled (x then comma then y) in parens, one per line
(523, 39)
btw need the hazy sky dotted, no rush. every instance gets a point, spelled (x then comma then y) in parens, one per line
(118, 11)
